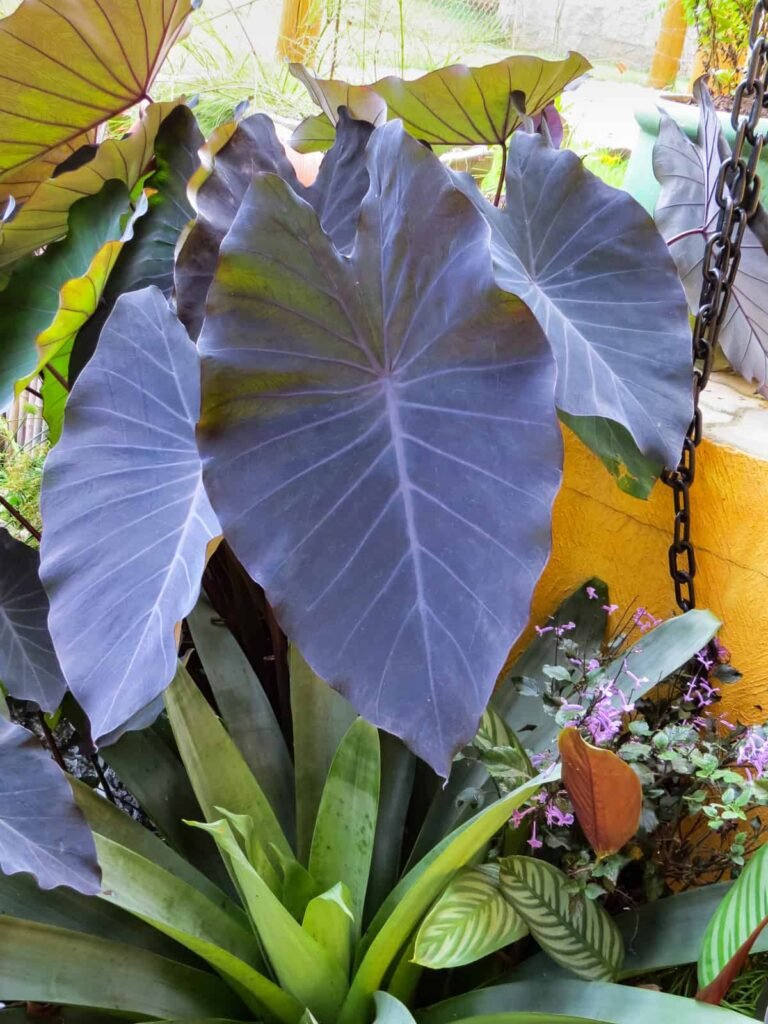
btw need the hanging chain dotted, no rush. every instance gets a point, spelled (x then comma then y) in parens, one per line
(737, 193)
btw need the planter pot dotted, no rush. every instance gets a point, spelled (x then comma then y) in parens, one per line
(639, 180)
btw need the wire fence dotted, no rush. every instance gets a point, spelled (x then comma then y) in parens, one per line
(24, 421)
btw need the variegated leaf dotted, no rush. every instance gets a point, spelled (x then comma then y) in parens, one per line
(741, 911)
(578, 934)
(470, 920)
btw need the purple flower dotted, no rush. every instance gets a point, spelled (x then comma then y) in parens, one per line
(593, 665)
(753, 752)
(541, 630)
(555, 816)
(592, 594)
(534, 842)
(518, 817)
(610, 608)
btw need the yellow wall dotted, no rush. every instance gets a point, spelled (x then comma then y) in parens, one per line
(600, 531)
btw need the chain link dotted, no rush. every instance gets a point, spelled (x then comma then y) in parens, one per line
(737, 193)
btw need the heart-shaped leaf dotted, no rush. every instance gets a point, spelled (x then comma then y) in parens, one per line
(31, 300)
(580, 936)
(41, 829)
(103, 62)
(470, 920)
(605, 792)
(126, 518)
(43, 218)
(148, 259)
(29, 668)
(254, 147)
(454, 106)
(369, 424)
(687, 215)
(589, 262)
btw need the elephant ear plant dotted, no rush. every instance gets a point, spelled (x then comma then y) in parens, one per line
(370, 414)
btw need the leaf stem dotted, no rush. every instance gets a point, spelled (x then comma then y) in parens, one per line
(57, 377)
(684, 234)
(51, 741)
(20, 518)
(502, 174)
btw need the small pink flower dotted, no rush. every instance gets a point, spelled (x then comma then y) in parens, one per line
(592, 594)
(518, 817)
(541, 630)
(610, 608)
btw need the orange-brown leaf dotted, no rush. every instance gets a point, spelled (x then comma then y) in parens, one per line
(606, 794)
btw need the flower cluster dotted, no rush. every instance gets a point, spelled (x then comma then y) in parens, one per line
(699, 771)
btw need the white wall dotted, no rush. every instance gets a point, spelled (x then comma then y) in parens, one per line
(603, 30)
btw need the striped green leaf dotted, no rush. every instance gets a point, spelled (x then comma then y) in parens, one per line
(578, 935)
(470, 920)
(742, 909)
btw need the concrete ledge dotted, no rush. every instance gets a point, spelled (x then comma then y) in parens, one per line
(599, 530)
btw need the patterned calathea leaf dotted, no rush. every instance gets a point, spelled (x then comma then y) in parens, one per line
(29, 668)
(579, 935)
(380, 441)
(590, 264)
(148, 258)
(126, 518)
(99, 62)
(454, 106)
(687, 215)
(42, 831)
(470, 920)
(253, 148)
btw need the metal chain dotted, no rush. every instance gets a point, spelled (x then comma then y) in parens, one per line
(737, 193)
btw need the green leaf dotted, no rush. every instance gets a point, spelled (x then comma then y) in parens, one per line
(66, 908)
(298, 886)
(30, 301)
(253, 848)
(106, 820)
(216, 768)
(303, 968)
(398, 769)
(342, 844)
(579, 935)
(43, 964)
(534, 1003)
(153, 773)
(321, 717)
(406, 904)
(330, 921)
(181, 912)
(390, 1010)
(613, 444)
(664, 650)
(524, 712)
(246, 710)
(740, 912)
(470, 920)
(148, 258)
(453, 106)
(43, 217)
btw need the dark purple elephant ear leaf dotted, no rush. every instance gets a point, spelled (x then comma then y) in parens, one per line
(588, 261)
(29, 668)
(126, 518)
(380, 441)
(687, 216)
(254, 148)
(42, 831)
